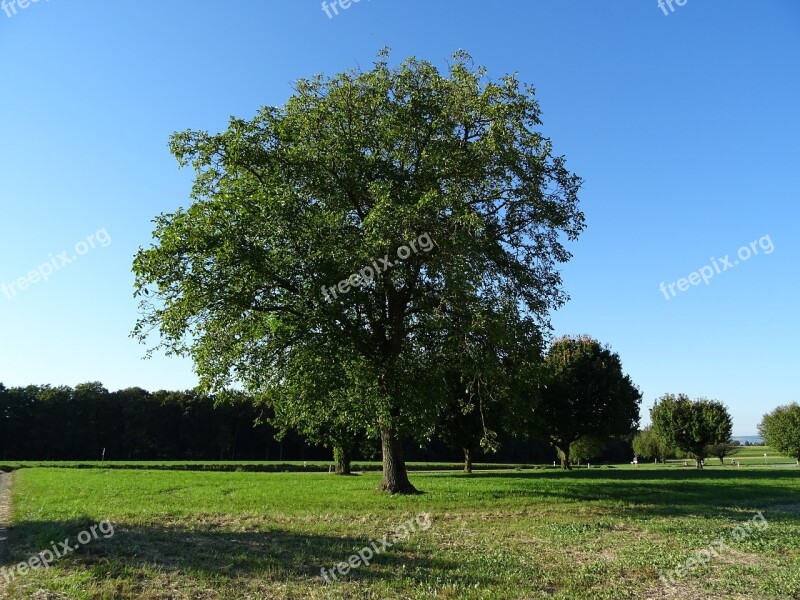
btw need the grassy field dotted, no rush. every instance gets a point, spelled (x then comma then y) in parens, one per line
(748, 456)
(297, 466)
(590, 533)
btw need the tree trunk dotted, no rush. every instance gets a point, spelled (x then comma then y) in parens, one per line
(565, 459)
(395, 477)
(467, 460)
(342, 458)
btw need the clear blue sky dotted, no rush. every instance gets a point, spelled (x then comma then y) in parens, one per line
(684, 126)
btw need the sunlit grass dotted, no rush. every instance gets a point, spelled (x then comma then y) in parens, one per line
(591, 533)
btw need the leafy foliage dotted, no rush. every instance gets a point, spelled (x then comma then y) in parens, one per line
(691, 426)
(648, 444)
(587, 448)
(351, 169)
(586, 394)
(488, 362)
(722, 450)
(781, 429)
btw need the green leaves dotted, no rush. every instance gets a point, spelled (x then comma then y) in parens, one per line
(691, 426)
(648, 444)
(781, 429)
(586, 392)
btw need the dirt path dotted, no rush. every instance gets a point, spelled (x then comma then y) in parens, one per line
(5, 504)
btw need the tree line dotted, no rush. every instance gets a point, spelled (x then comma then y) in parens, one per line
(699, 429)
(42, 422)
(88, 422)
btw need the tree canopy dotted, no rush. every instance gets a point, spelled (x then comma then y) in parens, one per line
(781, 430)
(691, 426)
(723, 449)
(487, 365)
(309, 227)
(584, 393)
(648, 444)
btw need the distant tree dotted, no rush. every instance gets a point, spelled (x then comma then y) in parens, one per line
(325, 397)
(723, 449)
(89, 408)
(488, 365)
(205, 431)
(585, 393)
(52, 414)
(586, 449)
(142, 417)
(648, 444)
(781, 430)
(691, 426)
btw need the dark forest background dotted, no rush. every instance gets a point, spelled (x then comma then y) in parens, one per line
(64, 423)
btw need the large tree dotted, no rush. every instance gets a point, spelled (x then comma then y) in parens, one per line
(585, 393)
(691, 426)
(412, 189)
(781, 430)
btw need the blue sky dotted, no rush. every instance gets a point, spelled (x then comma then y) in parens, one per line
(684, 126)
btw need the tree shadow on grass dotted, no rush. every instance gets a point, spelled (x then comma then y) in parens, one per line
(659, 493)
(211, 552)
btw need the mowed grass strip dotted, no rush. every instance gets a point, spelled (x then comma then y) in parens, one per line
(599, 533)
(297, 466)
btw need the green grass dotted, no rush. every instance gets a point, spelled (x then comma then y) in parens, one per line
(249, 466)
(749, 456)
(754, 455)
(590, 533)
